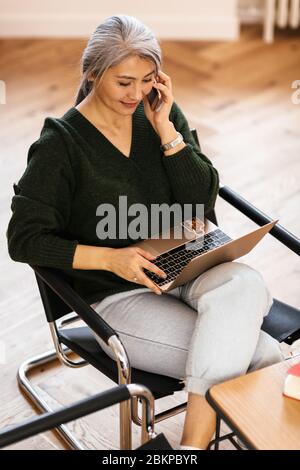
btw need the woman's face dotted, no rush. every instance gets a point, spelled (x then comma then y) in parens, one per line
(124, 86)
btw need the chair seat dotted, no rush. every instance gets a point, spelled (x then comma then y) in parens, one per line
(82, 342)
(283, 322)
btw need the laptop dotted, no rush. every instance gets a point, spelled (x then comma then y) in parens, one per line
(200, 248)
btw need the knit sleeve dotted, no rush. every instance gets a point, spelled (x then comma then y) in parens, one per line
(41, 207)
(191, 174)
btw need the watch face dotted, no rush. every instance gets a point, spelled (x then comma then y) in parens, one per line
(173, 144)
(176, 141)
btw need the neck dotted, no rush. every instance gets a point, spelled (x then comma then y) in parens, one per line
(102, 115)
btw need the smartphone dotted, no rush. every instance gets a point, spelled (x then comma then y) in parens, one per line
(154, 98)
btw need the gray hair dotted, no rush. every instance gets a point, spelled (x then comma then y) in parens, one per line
(114, 40)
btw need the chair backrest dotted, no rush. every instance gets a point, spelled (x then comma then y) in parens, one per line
(54, 306)
(210, 215)
(59, 298)
(195, 135)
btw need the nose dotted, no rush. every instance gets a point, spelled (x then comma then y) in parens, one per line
(136, 93)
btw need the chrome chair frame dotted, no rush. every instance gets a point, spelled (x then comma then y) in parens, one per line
(59, 353)
(89, 405)
(128, 409)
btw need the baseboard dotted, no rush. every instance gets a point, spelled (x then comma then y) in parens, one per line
(165, 27)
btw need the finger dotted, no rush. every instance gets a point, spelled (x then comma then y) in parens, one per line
(160, 72)
(165, 80)
(161, 86)
(155, 269)
(166, 92)
(163, 76)
(148, 283)
(146, 254)
(135, 279)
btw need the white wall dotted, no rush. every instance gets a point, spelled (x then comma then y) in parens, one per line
(173, 19)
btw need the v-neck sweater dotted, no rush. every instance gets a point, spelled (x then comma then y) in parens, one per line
(73, 168)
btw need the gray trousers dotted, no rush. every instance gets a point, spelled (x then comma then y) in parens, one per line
(204, 332)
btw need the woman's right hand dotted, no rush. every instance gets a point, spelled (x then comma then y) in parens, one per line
(129, 262)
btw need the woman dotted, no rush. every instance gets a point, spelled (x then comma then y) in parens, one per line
(109, 145)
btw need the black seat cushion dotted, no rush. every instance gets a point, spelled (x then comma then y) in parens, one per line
(283, 322)
(82, 341)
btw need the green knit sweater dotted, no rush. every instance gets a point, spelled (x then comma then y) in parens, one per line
(73, 168)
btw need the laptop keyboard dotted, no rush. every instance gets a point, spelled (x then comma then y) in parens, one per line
(173, 261)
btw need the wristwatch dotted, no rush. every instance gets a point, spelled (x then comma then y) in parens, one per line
(173, 143)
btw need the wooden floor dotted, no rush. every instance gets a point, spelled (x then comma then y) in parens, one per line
(238, 96)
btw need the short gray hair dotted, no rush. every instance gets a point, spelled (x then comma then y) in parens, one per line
(117, 38)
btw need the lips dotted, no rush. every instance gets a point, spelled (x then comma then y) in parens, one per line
(129, 104)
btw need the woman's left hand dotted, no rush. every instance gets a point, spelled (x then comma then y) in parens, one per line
(160, 118)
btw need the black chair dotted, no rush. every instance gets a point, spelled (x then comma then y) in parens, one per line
(59, 299)
(38, 424)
